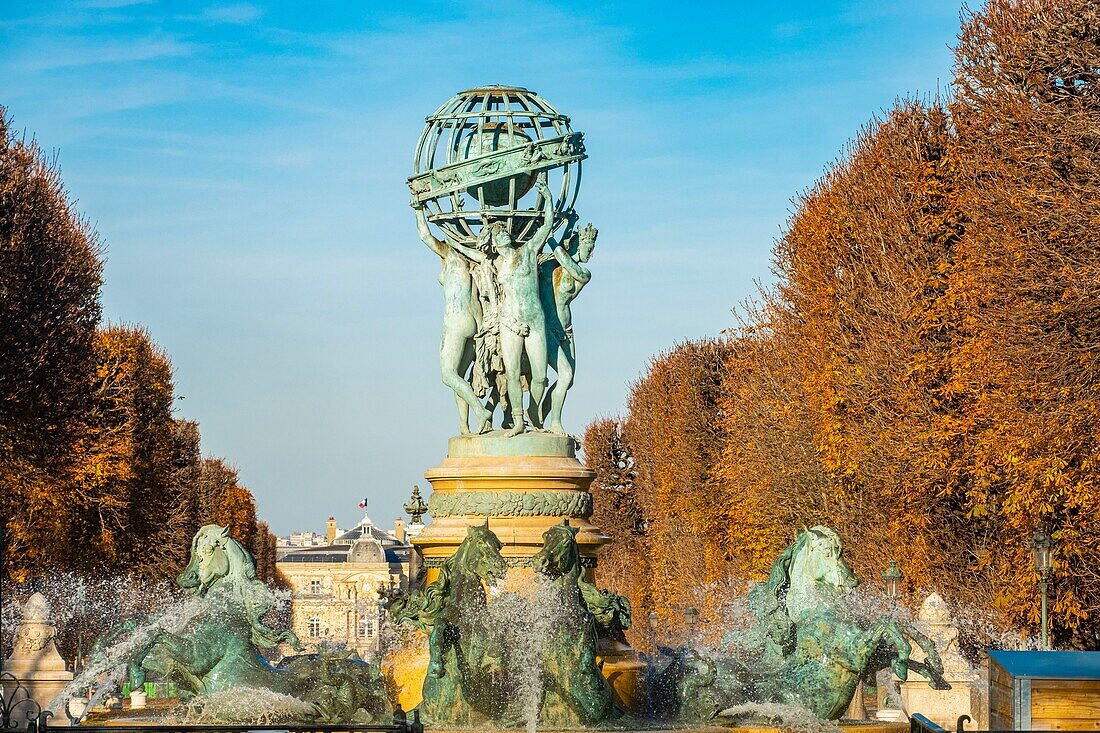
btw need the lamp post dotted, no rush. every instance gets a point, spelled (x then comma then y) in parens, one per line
(653, 621)
(691, 618)
(1041, 546)
(857, 710)
(892, 579)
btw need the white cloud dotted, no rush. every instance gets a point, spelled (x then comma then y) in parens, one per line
(237, 14)
(81, 52)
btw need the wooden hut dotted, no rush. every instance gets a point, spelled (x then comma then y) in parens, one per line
(1044, 690)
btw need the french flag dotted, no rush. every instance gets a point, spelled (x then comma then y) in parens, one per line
(363, 504)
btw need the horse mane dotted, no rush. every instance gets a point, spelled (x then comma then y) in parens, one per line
(768, 600)
(254, 593)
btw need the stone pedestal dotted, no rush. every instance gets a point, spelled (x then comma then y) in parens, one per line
(35, 662)
(944, 707)
(521, 485)
(624, 672)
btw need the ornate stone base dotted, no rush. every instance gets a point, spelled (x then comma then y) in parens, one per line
(34, 662)
(42, 687)
(522, 485)
(404, 670)
(944, 707)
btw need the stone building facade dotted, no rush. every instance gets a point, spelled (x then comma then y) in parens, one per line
(335, 588)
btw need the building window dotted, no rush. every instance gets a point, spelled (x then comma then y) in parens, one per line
(366, 627)
(314, 627)
(315, 587)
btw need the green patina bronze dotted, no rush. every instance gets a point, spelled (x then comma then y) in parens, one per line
(574, 691)
(543, 503)
(807, 647)
(463, 685)
(507, 317)
(476, 674)
(218, 649)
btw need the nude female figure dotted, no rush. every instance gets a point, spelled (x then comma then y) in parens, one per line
(461, 318)
(522, 320)
(561, 279)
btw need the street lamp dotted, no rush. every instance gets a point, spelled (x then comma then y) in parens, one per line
(691, 618)
(892, 578)
(1041, 546)
(653, 621)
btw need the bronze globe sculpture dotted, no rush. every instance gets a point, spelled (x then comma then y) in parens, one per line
(480, 154)
(496, 173)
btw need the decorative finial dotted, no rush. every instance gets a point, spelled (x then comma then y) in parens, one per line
(415, 507)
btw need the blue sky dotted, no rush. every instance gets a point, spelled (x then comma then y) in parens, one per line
(246, 163)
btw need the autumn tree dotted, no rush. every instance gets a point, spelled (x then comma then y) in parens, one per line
(96, 472)
(924, 376)
(623, 563)
(123, 464)
(674, 439)
(49, 301)
(226, 503)
(49, 307)
(1027, 109)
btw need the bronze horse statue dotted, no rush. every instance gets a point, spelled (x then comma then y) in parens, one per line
(462, 686)
(215, 643)
(574, 690)
(807, 648)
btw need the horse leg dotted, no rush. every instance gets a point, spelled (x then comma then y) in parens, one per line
(932, 667)
(436, 642)
(886, 631)
(169, 654)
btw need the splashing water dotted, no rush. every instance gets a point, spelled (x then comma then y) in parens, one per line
(526, 617)
(788, 717)
(83, 608)
(246, 705)
(106, 670)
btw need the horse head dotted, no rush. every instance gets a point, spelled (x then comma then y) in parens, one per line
(812, 563)
(820, 561)
(559, 554)
(214, 556)
(220, 562)
(479, 554)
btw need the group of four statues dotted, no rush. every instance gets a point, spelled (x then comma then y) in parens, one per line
(507, 318)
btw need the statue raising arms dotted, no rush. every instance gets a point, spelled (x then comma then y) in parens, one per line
(461, 320)
(561, 279)
(522, 320)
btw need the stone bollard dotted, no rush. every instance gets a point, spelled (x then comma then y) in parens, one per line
(34, 661)
(964, 698)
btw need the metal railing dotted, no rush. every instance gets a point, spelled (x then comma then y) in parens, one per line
(19, 711)
(400, 724)
(920, 724)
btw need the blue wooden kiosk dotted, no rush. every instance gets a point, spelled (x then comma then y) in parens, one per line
(1044, 690)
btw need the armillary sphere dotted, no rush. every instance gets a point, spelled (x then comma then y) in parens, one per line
(480, 154)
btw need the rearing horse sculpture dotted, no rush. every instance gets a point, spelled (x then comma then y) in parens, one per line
(806, 649)
(575, 692)
(218, 647)
(462, 686)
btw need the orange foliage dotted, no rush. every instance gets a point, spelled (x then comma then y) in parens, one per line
(95, 471)
(925, 377)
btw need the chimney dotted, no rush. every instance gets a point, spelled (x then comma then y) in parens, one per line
(399, 529)
(330, 530)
